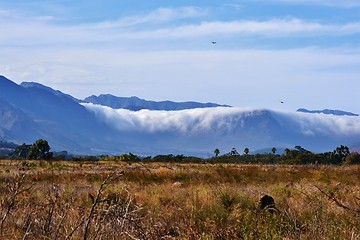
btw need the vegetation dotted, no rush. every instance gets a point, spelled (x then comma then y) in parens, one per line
(147, 200)
(317, 196)
(40, 150)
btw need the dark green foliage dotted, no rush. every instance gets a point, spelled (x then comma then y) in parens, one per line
(298, 155)
(302, 156)
(21, 152)
(342, 152)
(233, 152)
(85, 158)
(168, 158)
(40, 150)
(246, 151)
(129, 157)
(273, 150)
(216, 152)
(301, 150)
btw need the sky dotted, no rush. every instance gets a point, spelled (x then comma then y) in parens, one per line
(304, 53)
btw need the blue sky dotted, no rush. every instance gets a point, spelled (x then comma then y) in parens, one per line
(303, 52)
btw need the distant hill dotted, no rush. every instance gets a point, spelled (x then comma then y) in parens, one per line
(328, 111)
(7, 147)
(136, 104)
(31, 111)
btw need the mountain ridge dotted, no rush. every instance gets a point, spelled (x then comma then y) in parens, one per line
(30, 111)
(135, 103)
(329, 111)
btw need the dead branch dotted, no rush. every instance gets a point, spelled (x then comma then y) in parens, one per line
(16, 191)
(75, 228)
(68, 205)
(106, 182)
(337, 202)
(27, 231)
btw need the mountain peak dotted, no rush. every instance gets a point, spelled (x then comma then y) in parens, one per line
(47, 89)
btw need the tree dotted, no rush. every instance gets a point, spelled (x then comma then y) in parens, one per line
(273, 150)
(233, 152)
(216, 152)
(246, 151)
(342, 151)
(129, 157)
(40, 150)
(301, 150)
(22, 151)
(287, 152)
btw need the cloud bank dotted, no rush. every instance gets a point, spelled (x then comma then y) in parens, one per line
(255, 128)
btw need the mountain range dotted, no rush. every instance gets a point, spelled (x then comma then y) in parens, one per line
(113, 125)
(136, 104)
(328, 111)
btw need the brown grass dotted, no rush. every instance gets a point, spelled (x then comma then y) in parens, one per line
(116, 200)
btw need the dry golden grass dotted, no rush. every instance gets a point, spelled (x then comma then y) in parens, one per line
(117, 200)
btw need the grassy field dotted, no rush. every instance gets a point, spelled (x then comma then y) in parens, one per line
(117, 200)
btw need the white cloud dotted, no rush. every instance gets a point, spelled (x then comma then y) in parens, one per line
(234, 6)
(272, 28)
(225, 120)
(326, 125)
(158, 16)
(232, 127)
(185, 121)
(160, 25)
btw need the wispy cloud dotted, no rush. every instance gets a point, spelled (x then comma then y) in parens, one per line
(234, 6)
(160, 24)
(158, 16)
(275, 28)
(331, 3)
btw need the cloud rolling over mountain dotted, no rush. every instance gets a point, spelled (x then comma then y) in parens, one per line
(226, 127)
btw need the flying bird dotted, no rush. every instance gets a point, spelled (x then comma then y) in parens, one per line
(213, 42)
(281, 101)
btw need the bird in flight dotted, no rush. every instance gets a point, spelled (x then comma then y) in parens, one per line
(281, 101)
(213, 42)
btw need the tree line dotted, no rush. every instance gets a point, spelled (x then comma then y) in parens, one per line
(40, 150)
(298, 155)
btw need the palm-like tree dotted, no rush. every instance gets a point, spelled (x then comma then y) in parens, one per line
(216, 152)
(246, 151)
(273, 150)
